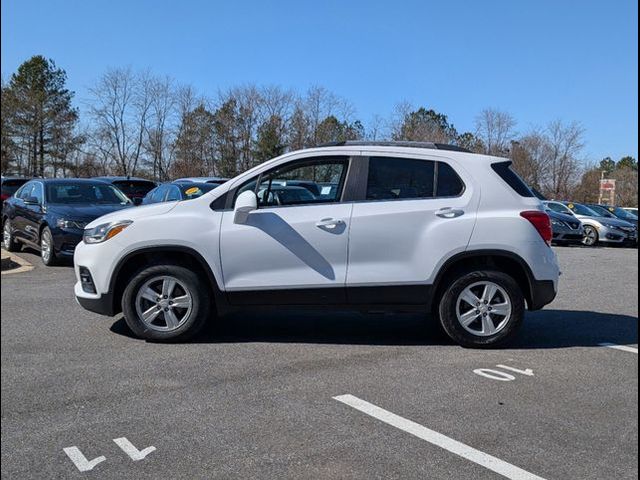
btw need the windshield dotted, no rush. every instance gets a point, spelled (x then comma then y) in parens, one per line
(603, 212)
(190, 191)
(582, 210)
(85, 193)
(622, 213)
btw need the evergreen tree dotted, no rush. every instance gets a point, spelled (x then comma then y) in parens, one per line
(40, 118)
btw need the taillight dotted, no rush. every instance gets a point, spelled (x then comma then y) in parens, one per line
(541, 222)
(4, 197)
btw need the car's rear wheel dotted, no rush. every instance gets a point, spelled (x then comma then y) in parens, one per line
(47, 249)
(8, 240)
(166, 303)
(482, 309)
(590, 236)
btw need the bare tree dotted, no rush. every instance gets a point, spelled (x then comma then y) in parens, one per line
(495, 129)
(564, 144)
(120, 106)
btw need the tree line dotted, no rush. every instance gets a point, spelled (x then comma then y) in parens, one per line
(138, 123)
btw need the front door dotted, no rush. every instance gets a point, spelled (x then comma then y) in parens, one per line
(293, 249)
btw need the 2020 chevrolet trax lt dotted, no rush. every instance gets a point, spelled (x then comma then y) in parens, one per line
(367, 226)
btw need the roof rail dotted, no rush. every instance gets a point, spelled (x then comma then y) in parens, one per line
(431, 145)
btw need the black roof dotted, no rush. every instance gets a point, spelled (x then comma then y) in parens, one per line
(431, 145)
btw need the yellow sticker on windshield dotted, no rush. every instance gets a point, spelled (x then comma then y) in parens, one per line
(192, 191)
(571, 206)
(612, 209)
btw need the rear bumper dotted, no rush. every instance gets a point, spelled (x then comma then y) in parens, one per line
(543, 292)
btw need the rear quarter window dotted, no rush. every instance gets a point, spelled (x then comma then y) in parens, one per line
(511, 178)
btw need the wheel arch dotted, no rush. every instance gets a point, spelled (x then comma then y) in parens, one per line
(134, 261)
(501, 260)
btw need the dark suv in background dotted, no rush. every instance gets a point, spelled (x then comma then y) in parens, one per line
(10, 185)
(134, 188)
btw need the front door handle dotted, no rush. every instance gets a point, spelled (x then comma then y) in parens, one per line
(329, 224)
(449, 212)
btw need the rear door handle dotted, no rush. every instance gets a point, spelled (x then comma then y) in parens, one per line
(329, 224)
(449, 212)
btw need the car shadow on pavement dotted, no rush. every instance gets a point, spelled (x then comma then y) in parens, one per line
(541, 330)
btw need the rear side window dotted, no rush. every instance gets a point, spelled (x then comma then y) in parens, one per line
(400, 178)
(512, 179)
(406, 178)
(448, 183)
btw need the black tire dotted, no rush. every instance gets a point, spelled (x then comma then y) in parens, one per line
(200, 308)
(591, 237)
(47, 248)
(448, 305)
(11, 245)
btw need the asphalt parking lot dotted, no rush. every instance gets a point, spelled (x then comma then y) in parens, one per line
(255, 397)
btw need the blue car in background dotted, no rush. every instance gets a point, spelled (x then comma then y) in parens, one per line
(177, 191)
(50, 214)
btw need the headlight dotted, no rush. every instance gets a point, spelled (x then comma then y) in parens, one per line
(557, 223)
(611, 225)
(70, 224)
(104, 232)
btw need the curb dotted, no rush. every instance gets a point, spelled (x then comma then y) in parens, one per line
(23, 265)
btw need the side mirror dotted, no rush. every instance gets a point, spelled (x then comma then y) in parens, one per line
(246, 203)
(31, 201)
(137, 201)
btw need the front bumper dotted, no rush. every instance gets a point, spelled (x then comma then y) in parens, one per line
(615, 235)
(65, 241)
(97, 303)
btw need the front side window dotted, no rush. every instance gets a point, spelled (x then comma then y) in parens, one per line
(400, 178)
(38, 193)
(309, 182)
(25, 191)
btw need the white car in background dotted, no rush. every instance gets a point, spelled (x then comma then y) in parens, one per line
(416, 227)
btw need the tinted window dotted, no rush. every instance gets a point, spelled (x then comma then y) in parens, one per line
(134, 188)
(399, 178)
(448, 182)
(84, 193)
(556, 207)
(512, 179)
(9, 187)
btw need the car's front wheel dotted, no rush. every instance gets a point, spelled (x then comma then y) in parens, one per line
(47, 249)
(590, 236)
(166, 303)
(482, 309)
(8, 240)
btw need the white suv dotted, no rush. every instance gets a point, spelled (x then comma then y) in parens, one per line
(368, 226)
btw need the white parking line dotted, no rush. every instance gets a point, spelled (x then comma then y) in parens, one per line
(492, 463)
(624, 348)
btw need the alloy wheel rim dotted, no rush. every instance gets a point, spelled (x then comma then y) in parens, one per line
(484, 308)
(7, 234)
(45, 247)
(164, 303)
(589, 236)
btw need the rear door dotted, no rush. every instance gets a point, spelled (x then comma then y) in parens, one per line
(416, 212)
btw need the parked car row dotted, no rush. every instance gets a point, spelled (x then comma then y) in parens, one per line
(50, 214)
(592, 224)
